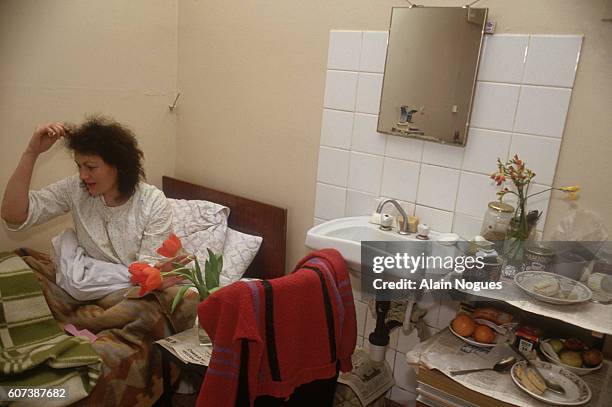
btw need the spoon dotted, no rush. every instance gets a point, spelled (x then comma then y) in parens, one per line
(500, 366)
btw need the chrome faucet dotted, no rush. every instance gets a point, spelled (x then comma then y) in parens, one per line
(403, 229)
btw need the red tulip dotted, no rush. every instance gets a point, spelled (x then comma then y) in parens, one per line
(136, 269)
(170, 247)
(152, 280)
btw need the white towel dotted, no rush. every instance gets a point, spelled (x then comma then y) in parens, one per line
(81, 276)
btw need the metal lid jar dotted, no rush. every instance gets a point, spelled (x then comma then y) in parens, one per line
(496, 220)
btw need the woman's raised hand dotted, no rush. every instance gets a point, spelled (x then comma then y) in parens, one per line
(45, 136)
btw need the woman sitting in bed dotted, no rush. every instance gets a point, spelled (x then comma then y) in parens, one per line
(118, 218)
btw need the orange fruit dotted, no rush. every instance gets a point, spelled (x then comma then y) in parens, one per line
(463, 325)
(483, 334)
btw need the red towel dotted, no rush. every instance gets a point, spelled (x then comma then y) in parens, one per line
(299, 328)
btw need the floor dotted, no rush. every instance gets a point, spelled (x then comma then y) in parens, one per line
(188, 400)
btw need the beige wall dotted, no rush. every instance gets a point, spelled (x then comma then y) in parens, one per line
(63, 59)
(253, 76)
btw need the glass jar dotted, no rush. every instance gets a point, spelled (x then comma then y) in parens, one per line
(496, 221)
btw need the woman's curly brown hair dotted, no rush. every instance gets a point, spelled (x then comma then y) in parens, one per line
(115, 144)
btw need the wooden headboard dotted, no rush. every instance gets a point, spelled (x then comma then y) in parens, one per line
(247, 216)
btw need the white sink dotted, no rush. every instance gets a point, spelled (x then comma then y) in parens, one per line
(346, 235)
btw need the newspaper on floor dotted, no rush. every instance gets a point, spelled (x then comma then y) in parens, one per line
(185, 346)
(369, 380)
(446, 352)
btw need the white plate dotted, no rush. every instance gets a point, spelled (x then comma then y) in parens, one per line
(576, 390)
(498, 339)
(526, 281)
(580, 371)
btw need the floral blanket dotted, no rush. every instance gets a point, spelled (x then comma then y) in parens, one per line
(126, 327)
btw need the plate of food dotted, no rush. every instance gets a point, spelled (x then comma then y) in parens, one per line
(572, 354)
(477, 332)
(552, 288)
(576, 391)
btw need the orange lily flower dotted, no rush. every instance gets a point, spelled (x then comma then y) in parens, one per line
(170, 247)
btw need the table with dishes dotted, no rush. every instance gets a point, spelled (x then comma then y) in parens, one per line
(508, 377)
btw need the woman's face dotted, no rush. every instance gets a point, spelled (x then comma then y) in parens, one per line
(99, 177)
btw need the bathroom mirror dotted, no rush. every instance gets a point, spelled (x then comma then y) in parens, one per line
(430, 72)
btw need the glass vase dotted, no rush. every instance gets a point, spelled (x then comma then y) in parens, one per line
(520, 230)
(201, 336)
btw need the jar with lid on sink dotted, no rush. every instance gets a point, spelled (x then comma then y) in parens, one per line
(496, 221)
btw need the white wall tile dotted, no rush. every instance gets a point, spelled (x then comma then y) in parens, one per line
(330, 202)
(438, 220)
(438, 187)
(374, 51)
(448, 311)
(404, 148)
(355, 277)
(333, 166)
(483, 148)
(503, 58)
(542, 111)
(432, 306)
(467, 226)
(494, 106)
(390, 356)
(405, 343)
(336, 128)
(539, 153)
(344, 50)
(443, 155)
(340, 90)
(400, 179)
(552, 60)
(539, 201)
(403, 397)
(359, 203)
(475, 193)
(365, 137)
(404, 375)
(360, 312)
(365, 172)
(368, 93)
(317, 221)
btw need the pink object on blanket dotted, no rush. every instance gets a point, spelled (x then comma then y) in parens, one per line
(72, 330)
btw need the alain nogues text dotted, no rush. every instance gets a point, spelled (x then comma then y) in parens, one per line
(405, 263)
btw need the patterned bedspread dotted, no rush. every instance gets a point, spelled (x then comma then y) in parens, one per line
(126, 327)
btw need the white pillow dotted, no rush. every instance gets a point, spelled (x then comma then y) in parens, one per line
(238, 253)
(199, 225)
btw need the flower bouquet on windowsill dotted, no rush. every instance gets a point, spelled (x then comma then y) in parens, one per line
(174, 270)
(523, 223)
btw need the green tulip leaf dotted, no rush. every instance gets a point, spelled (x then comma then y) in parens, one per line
(179, 296)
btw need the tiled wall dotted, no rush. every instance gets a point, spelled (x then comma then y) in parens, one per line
(521, 102)
(522, 97)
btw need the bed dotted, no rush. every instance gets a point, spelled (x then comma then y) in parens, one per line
(126, 328)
